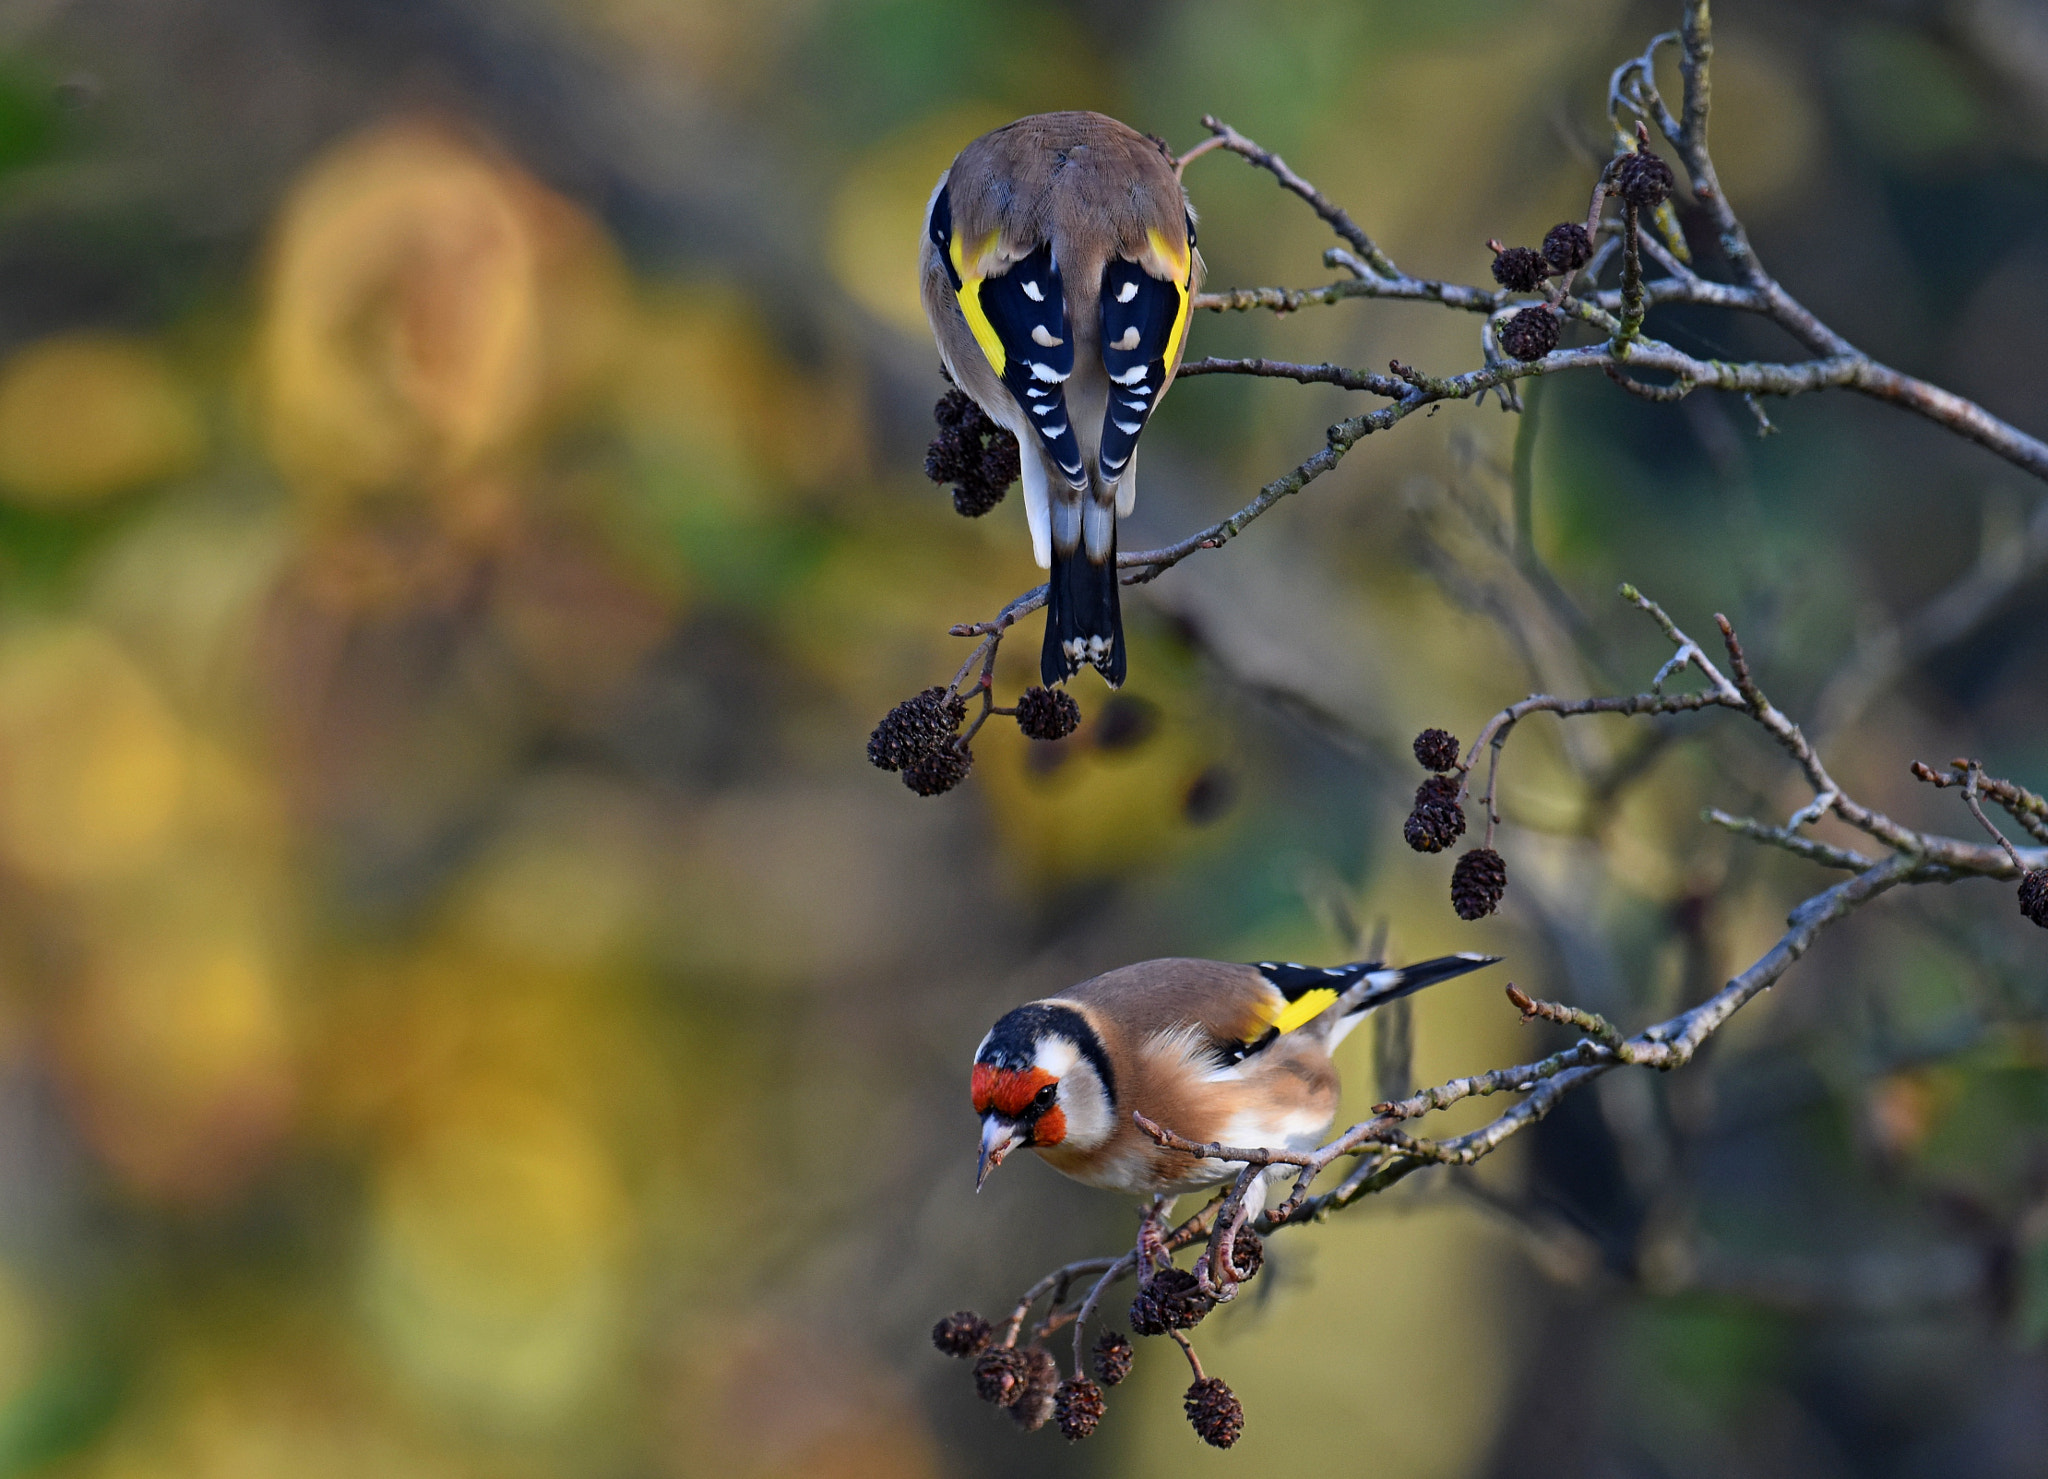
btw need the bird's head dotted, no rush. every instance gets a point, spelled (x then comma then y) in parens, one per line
(1041, 1079)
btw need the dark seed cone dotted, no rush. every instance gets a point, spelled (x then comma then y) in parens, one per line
(1519, 269)
(940, 771)
(1079, 1406)
(1438, 790)
(1047, 713)
(1437, 820)
(1216, 1413)
(973, 453)
(1033, 1408)
(1436, 749)
(1643, 180)
(1530, 334)
(999, 468)
(1567, 247)
(962, 1333)
(1247, 1255)
(999, 1375)
(2034, 896)
(914, 728)
(1477, 883)
(1113, 1354)
(1171, 1299)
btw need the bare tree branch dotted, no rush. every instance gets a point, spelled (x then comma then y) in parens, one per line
(1386, 1148)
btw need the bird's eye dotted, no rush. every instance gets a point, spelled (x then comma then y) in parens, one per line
(1044, 1097)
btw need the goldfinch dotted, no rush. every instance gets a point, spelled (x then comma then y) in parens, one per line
(1228, 1054)
(1058, 266)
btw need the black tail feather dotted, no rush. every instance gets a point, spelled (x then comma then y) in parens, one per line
(1408, 980)
(1082, 612)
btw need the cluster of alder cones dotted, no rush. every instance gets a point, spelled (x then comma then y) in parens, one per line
(920, 738)
(1642, 181)
(1025, 1380)
(1481, 875)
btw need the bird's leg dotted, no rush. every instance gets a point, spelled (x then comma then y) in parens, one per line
(1214, 1270)
(1152, 1234)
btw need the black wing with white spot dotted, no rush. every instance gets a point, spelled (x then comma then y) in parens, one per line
(1027, 309)
(1141, 316)
(1296, 981)
(1308, 990)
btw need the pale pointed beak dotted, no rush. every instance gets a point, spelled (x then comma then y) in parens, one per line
(998, 1138)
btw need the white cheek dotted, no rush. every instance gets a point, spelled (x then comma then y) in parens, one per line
(1056, 1056)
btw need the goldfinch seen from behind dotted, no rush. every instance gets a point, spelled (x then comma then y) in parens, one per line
(1059, 266)
(1229, 1054)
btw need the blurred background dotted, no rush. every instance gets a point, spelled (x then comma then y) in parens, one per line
(470, 1009)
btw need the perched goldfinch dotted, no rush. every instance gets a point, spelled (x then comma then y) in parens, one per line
(1228, 1054)
(1059, 264)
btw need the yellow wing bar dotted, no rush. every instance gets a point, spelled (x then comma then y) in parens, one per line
(966, 268)
(1304, 1009)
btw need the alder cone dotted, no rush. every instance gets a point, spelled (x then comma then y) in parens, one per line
(1519, 270)
(1438, 820)
(1567, 247)
(1113, 1355)
(1215, 1412)
(1477, 883)
(1172, 1299)
(940, 770)
(1436, 749)
(2034, 896)
(1643, 180)
(1079, 1406)
(999, 1375)
(1530, 334)
(979, 457)
(1033, 1407)
(915, 728)
(962, 1334)
(1047, 713)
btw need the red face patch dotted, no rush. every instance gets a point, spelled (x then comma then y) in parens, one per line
(1010, 1094)
(1006, 1091)
(1051, 1127)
